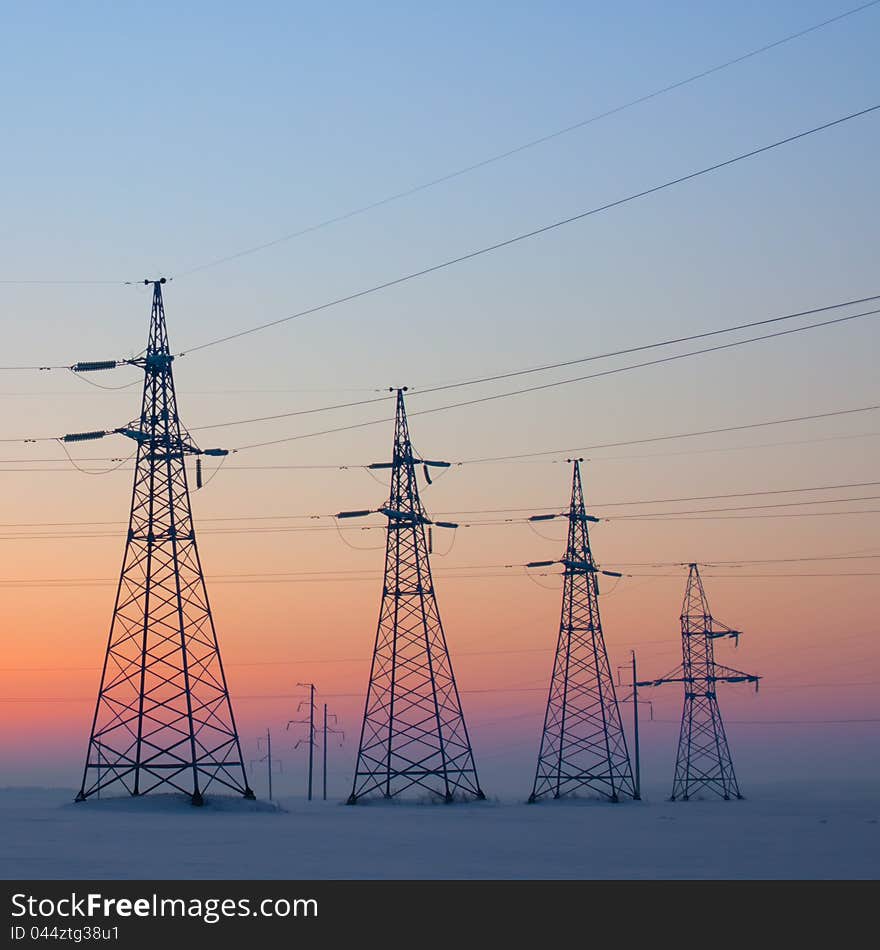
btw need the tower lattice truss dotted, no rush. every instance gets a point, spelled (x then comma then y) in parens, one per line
(414, 738)
(703, 763)
(583, 745)
(163, 718)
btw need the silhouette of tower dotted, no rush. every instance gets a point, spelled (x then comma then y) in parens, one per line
(703, 761)
(414, 735)
(583, 745)
(163, 718)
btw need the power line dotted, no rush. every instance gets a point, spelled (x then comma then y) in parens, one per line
(744, 494)
(508, 153)
(769, 560)
(499, 689)
(293, 413)
(738, 576)
(676, 435)
(492, 159)
(524, 459)
(656, 362)
(181, 390)
(68, 469)
(551, 366)
(544, 386)
(465, 169)
(66, 282)
(796, 514)
(341, 466)
(661, 515)
(469, 524)
(470, 255)
(782, 722)
(728, 448)
(298, 662)
(647, 346)
(465, 570)
(563, 382)
(464, 513)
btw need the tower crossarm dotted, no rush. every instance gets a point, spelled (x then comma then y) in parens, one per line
(721, 634)
(572, 566)
(155, 362)
(178, 446)
(404, 517)
(404, 459)
(726, 674)
(580, 517)
(718, 631)
(674, 676)
(159, 440)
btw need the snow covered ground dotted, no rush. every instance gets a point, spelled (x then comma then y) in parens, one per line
(779, 832)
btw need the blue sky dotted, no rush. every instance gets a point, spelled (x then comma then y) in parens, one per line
(148, 139)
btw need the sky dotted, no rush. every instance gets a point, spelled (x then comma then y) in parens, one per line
(149, 140)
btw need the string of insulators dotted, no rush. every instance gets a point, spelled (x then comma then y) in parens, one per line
(198, 472)
(575, 565)
(361, 513)
(94, 366)
(564, 514)
(430, 540)
(434, 462)
(745, 678)
(82, 436)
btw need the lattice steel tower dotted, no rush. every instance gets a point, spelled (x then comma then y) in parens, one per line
(703, 761)
(583, 745)
(414, 735)
(163, 719)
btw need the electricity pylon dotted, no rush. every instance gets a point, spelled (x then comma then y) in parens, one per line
(583, 745)
(703, 760)
(414, 734)
(163, 718)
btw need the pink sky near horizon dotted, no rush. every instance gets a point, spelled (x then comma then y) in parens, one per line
(802, 635)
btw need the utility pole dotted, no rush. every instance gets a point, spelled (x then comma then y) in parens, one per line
(326, 730)
(267, 758)
(311, 724)
(311, 732)
(635, 700)
(163, 718)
